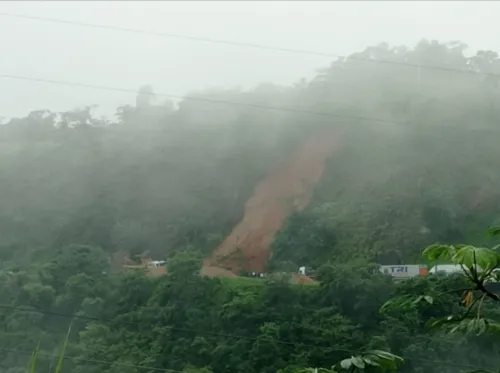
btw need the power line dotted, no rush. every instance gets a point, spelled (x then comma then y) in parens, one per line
(213, 101)
(215, 334)
(198, 332)
(255, 106)
(235, 43)
(104, 362)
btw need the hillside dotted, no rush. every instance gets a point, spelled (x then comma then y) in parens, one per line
(286, 189)
(367, 163)
(417, 164)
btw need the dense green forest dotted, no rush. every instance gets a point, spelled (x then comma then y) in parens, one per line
(418, 164)
(190, 323)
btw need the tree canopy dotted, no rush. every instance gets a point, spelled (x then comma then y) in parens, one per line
(415, 165)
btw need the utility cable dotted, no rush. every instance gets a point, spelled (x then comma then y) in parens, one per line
(198, 332)
(92, 361)
(235, 43)
(110, 321)
(104, 362)
(208, 100)
(127, 90)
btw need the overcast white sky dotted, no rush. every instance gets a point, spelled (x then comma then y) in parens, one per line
(125, 60)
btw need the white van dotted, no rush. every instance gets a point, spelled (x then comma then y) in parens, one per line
(448, 269)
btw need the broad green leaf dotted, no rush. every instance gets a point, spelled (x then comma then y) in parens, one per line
(346, 363)
(492, 326)
(421, 298)
(385, 364)
(418, 300)
(439, 252)
(471, 326)
(385, 355)
(468, 256)
(495, 231)
(358, 362)
(442, 322)
(384, 359)
(465, 256)
(454, 329)
(376, 358)
(495, 276)
(481, 327)
(370, 361)
(404, 302)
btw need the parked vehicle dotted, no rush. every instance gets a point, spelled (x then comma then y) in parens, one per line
(306, 271)
(401, 272)
(448, 269)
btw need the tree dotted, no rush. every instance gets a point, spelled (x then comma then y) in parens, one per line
(73, 260)
(371, 360)
(479, 281)
(405, 172)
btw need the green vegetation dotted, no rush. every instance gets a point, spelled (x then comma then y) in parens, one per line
(185, 321)
(158, 180)
(78, 192)
(478, 296)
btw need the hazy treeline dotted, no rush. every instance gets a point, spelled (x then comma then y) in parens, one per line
(420, 168)
(190, 323)
(418, 164)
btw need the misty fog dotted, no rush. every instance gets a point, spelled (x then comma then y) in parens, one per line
(265, 187)
(129, 60)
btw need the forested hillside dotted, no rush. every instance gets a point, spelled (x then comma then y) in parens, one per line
(187, 323)
(416, 164)
(376, 157)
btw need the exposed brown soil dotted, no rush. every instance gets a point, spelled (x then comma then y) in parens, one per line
(118, 260)
(297, 278)
(287, 189)
(212, 271)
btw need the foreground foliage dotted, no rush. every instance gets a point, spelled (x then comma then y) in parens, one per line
(479, 292)
(187, 322)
